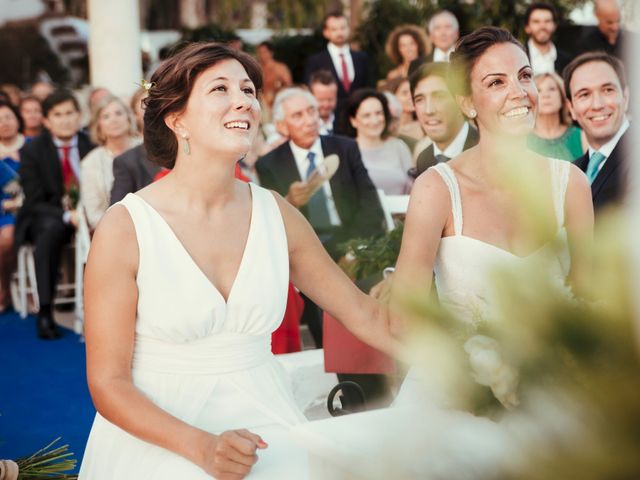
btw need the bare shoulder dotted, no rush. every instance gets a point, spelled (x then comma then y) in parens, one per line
(430, 195)
(115, 237)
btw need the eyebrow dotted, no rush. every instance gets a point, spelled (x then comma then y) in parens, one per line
(245, 79)
(504, 74)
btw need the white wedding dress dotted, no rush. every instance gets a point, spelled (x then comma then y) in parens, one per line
(206, 361)
(464, 265)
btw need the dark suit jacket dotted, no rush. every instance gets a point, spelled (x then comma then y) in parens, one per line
(354, 194)
(41, 180)
(562, 58)
(427, 158)
(418, 62)
(132, 171)
(610, 184)
(593, 40)
(322, 61)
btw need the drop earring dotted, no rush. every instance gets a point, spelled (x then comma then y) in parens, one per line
(186, 148)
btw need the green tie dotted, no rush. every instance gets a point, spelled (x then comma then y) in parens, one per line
(594, 163)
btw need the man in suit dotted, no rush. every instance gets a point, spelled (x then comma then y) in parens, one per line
(49, 173)
(349, 68)
(132, 171)
(596, 88)
(540, 23)
(325, 88)
(608, 35)
(345, 207)
(444, 31)
(440, 117)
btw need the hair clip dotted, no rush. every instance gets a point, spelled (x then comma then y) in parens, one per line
(147, 85)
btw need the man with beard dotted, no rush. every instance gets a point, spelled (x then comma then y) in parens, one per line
(540, 25)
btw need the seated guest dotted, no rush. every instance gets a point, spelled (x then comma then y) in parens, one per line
(387, 158)
(440, 117)
(13, 92)
(608, 35)
(113, 128)
(408, 126)
(11, 141)
(41, 90)
(405, 44)
(554, 135)
(596, 87)
(31, 112)
(540, 23)
(325, 88)
(132, 171)
(444, 31)
(345, 207)
(49, 172)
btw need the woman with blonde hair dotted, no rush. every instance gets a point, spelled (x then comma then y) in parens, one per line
(554, 135)
(405, 44)
(113, 128)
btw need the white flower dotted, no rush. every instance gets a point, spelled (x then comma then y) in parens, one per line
(489, 369)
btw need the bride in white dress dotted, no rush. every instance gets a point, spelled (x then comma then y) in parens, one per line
(185, 282)
(464, 216)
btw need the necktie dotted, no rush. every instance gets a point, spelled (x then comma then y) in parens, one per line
(441, 158)
(317, 206)
(346, 83)
(594, 163)
(68, 177)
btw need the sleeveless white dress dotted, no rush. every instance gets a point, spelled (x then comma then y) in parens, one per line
(206, 361)
(464, 265)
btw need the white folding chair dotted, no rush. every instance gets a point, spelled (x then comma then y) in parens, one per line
(82, 244)
(24, 282)
(392, 205)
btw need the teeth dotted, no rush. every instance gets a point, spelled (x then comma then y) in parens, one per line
(517, 112)
(241, 125)
(599, 118)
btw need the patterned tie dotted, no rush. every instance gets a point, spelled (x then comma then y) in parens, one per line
(346, 83)
(68, 177)
(441, 158)
(595, 161)
(317, 206)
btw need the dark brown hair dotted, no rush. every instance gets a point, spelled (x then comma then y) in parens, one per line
(325, 77)
(15, 112)
(422, 41)
(588, 57)
(540, 6)
(435, 69)
(467, 52)
(171, 86)
(354, 102)
(333, 14)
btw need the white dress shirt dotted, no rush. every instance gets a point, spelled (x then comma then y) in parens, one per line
(335, 52)
(542, 62)
(326, 128)
(608, 147)
(302, 162)
(441, 55)
(456, 147)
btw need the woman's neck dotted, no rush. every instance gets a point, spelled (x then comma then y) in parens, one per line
(498, 153)
(118, 145)
(9, 141)
(32, 132)
(369, 143)
(549, 126)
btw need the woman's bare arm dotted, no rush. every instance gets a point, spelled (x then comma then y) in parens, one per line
(111, 296)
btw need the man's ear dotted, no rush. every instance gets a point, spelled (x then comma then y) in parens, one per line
(46, 123)
(625, 97)
(570, 108)
(283, 128)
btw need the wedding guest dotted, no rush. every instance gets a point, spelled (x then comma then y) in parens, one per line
(608, 35)
(598, 93)
(440, 117)
(325, 88)
(41, 90)
(405, 44)
(181, 372)
(137, 108)
(464, 219)
(113, 128)
(276, 74)
(554, 134)
(95, 97)
(408, 124)
(31, 112)
(444, 31)
(49, 171)
(13, 92)
(540, 23)
(11, 141)
(387, 158)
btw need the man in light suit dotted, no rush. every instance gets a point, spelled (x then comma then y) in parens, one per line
(350, 68)
(598, 95)
(347, 206)
(440, 117)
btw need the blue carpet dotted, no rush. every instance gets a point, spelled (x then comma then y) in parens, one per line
(43, 390)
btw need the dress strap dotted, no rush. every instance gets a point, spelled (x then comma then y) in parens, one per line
(449, 178)
(559, 170)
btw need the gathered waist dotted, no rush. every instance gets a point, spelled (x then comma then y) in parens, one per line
(214, 355)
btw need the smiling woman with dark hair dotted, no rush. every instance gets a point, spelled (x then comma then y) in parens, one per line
(185, 283)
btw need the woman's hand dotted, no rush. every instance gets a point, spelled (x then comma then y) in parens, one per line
(232, 454)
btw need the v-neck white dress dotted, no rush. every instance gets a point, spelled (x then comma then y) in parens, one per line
(205, 360)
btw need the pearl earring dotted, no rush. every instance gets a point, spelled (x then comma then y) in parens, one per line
(186, 148)
(473, 113)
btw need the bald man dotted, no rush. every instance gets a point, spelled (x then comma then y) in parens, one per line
(608, 36)
(444, 31)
